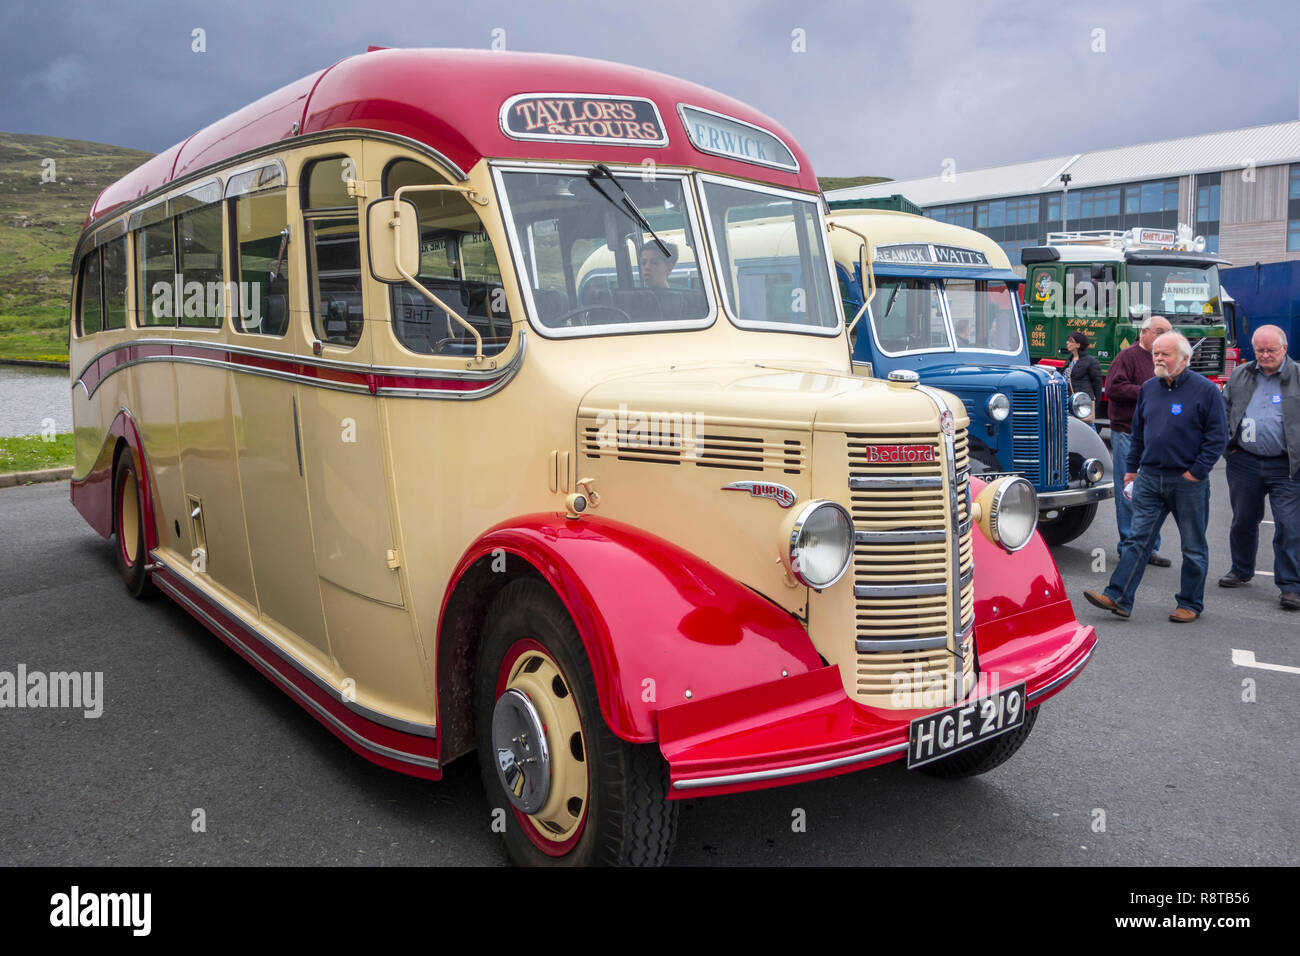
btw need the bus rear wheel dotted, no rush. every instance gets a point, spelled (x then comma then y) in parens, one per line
(128, 520)
(572, 793)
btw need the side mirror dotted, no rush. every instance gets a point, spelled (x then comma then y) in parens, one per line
(1098, 271)
(394, 237)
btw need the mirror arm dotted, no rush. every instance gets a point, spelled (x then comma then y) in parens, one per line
(396, 225)
(865, 267)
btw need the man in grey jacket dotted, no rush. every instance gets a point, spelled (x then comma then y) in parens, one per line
(1263, 456)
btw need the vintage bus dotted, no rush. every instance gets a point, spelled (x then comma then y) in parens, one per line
(339, 393)
(947, 307)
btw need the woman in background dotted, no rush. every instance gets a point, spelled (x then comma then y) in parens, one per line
(1083, 371)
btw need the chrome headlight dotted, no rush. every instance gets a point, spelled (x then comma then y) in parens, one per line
(1008, 512)
(999, 407)
(1081, 404)
(819, 547)
(1093, 470)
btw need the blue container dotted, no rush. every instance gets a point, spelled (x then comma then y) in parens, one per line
(1265, 294)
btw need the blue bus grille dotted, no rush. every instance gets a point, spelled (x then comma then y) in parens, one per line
(1039, 444)
(1025, 445)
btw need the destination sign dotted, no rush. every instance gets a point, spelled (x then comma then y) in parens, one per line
(711, 132)
(926, 252)
(583, 118)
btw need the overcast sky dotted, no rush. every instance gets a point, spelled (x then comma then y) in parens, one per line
(883, 88)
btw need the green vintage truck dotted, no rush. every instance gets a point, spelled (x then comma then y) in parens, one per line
(1105, 282)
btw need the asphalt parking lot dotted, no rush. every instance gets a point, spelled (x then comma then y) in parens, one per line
(1163, 752)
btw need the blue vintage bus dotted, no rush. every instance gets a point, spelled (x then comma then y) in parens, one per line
(944, 304)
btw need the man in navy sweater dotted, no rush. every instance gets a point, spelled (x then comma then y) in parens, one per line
(1180, 428)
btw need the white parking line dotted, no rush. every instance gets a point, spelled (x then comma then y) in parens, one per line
(1269, 573)
(1265, 521)
(1242, 658)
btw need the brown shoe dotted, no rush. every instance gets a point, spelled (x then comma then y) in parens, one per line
(1290, 601)
(1182, 615)
(1105, 603)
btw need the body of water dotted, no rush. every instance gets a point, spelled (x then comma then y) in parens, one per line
(30, 397)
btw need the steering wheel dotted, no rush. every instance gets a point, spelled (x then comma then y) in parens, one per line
(570, 318)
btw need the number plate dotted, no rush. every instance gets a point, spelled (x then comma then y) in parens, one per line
(949, 731)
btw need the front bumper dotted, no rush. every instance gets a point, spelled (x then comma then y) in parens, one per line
(804, 727)
(1069, 497)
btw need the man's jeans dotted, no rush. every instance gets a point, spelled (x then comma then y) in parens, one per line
(1249, 479)
(1157, 493)
(1119, 445)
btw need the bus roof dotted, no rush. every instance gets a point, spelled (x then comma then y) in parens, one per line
(452, 101)
(900, 229)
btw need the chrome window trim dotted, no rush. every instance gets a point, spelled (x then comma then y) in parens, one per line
(128, 210)
(583, 140)
(235, 189)
(519, 263)
(686, 127)
(832, 290)
(498, 377)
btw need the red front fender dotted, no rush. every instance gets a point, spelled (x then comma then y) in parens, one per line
(658, 623)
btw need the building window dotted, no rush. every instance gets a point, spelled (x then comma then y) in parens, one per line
(1293, 236)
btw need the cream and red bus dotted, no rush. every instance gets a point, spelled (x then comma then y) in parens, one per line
(339, 393)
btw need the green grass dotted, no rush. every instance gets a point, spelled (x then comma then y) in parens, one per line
(35, 332)
(33, 453)
(39, 226)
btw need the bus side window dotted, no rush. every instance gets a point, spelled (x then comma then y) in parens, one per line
(156, 255)
(199, 264)
(114, 278)
(91, 311)
(260, 304)
(333, 244)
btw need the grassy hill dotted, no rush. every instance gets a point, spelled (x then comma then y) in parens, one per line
(828, 183)
(39, 225)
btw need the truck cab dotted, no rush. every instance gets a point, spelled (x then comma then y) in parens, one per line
(1105, 282)
(943, 302)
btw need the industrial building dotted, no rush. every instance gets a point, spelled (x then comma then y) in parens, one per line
(1240, 189)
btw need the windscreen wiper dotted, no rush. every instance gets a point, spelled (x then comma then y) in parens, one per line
(627, 205)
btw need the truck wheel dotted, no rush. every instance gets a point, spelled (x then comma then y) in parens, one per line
(1068, 524)
(572, 793)
(128, 519)
(982, 757)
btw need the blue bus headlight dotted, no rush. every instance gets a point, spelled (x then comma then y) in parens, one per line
(999, 407)
(1081, 405)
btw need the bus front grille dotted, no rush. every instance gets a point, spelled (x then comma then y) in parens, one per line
(909, 623)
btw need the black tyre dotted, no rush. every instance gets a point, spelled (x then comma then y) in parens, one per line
(1068, 524)
(982, 757)
(128, 522)
(573, 793)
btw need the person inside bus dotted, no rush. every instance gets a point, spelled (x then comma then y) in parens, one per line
(654, 266)
(965, 329)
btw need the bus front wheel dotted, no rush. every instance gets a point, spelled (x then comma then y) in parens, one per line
(567, 790)
(1068, 523)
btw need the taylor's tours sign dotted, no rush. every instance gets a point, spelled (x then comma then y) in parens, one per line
(578, 118)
